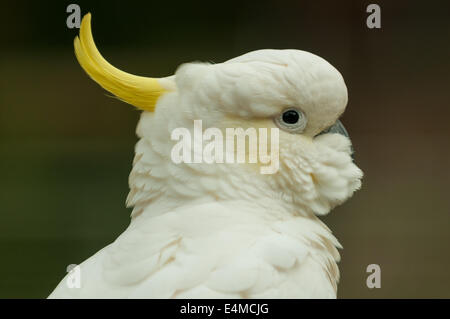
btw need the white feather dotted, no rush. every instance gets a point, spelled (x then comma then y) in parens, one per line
(224, 230)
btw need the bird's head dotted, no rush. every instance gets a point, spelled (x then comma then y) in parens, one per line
(294, 96)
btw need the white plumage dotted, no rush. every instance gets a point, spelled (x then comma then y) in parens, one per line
(224, 230)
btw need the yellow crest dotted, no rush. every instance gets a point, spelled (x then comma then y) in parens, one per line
(139, 91)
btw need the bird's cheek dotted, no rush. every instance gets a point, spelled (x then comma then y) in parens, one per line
(337, 142)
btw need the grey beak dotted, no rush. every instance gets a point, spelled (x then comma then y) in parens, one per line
(337, 128)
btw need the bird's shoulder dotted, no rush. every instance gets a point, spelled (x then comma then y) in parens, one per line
(211, 250)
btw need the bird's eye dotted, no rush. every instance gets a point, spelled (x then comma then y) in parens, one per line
(292, 120)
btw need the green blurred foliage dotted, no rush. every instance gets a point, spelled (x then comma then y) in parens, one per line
(66, 148)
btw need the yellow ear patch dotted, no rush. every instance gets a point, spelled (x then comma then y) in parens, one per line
(139, 91)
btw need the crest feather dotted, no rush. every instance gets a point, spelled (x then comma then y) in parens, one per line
(142, 92)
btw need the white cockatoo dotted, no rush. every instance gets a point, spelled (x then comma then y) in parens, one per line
(225, 230)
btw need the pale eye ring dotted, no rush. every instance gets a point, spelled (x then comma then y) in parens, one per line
(292, 120)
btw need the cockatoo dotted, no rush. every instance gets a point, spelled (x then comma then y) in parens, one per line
(224, 230)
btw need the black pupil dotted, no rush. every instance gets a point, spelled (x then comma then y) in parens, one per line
(290, 117)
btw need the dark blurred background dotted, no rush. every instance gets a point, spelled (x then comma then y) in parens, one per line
(66, 148)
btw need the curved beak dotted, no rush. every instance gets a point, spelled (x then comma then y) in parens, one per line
(338, 128)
